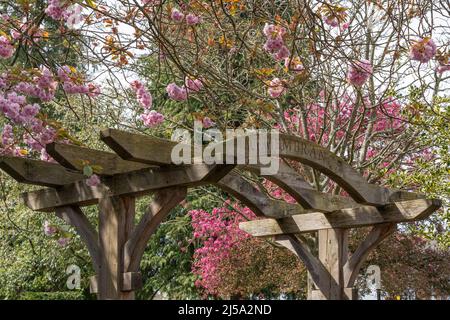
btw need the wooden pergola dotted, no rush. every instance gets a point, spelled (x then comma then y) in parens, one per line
(141, 165)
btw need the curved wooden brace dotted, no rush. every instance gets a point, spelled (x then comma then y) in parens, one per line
(374, 238)
(319, 274)
(325, 161)
(165, 200)
(256, 200)
(291, 182)
(75, 217)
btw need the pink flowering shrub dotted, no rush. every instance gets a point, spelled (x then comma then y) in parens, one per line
(218, 232)
(423, 50)
(358, 72)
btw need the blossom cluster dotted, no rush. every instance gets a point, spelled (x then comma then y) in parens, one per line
(275, 43)
(16, 92)
(64, 10)
(73, 83)
(423, 50)
(178, 16)
(219, 233)
(6, 48)
(359, 71)
(178, 93)
(151, 118)
(62, 238)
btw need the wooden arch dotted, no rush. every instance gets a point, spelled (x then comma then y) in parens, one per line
(141, 165)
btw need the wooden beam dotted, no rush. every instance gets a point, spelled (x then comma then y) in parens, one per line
(113, 230)
(152, 150)
(72, 157)
(291, 182)
(131, 281)
(138, 147)
(135, 183)
(75, 217)
(256, 200)
(346, 218)
(38, 172)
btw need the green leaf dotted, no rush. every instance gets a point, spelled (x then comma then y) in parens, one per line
(91, 3)
(88, 171)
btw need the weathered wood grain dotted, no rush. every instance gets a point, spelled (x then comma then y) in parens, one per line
(256, 200)
(375, 237)
(72, 157)
(75, 217)
(346, 218)
(138, 147)
(136, 183)
(114, 227)
(38, 172)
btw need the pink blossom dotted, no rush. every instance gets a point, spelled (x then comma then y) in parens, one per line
(63, 241)
(193, 85)
(332, 21)
(49, 230)
(423, 50)
(192, 19)
(282, 54)
(94, 90)
(93, 180)
(177, 93)
(6, 48)
(73, 15)
(276, 88)
(7, 135)
(55, 9)
(275, 43)
(176, 15)
(207, 122)
(442, 68)
(293, 64)
(218, 232)
(144, 97)
(152, 118)
(359, 72)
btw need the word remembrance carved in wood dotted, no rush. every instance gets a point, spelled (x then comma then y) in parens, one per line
(141, 165)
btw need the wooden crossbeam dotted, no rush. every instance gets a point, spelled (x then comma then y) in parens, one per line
(72, 157)
(134, 183)
(38, 172)
(138, 147)
(152, 150)
(346, 218)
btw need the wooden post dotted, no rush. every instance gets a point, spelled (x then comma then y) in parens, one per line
(116, 219)
(333, 253)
